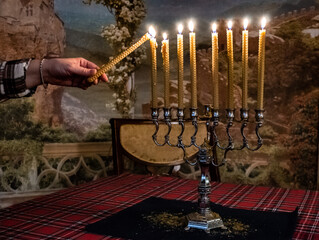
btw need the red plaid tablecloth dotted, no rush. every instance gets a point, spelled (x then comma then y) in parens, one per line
(64, 214)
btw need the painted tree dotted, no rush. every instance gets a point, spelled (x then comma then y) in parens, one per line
(303, 141)
(121, 35)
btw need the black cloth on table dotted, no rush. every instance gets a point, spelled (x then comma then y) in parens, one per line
(132, 222)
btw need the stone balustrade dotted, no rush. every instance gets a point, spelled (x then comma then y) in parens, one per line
(61, 165)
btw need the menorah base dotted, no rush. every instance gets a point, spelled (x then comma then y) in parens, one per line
(204, 222)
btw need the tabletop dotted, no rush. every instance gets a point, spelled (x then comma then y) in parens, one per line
(64, 214)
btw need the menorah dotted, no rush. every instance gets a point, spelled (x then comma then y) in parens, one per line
(204, 218)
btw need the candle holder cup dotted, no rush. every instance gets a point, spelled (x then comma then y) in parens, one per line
(204, 218)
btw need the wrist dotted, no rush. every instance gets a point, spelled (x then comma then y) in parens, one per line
(33, 74)
(43, 76)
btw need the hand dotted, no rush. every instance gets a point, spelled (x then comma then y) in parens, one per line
(70, 72)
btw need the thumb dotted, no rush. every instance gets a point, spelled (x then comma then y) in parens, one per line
(85, 72)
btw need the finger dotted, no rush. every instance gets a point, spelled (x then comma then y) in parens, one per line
(85, 83)
(87, 64)
(104, 78)
(85, 72)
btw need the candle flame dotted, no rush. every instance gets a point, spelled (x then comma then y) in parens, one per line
(230, 24)
(152, 31)
(164, 36)
(263, 22)
(180, 28)
(191, 26)
(245, 23)
(214, 27)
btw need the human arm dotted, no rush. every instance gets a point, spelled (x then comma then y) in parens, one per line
(19, 78)
(72, 72)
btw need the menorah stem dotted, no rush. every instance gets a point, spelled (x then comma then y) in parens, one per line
(230, 118)
(167, 119)
(204, 218)
(194, 117)
(213, 169)
(204, 184)
(244, 114)
(180, 116)
(155, 121)
(259, 122)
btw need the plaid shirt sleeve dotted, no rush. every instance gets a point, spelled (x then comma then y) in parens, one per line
(12, 79)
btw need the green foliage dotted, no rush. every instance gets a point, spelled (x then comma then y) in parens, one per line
(303, 141)
(56, 135)
(17, 123)
(128, 15)
(101, 134)
(311, 43)
(274, 174)
(16, 158)
(25, 147)
(290, 31)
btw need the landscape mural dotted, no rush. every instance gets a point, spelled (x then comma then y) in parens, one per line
(94, 29)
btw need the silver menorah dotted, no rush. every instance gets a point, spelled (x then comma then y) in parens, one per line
(204, 218)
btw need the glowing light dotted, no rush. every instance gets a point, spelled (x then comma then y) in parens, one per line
(214, 27)
(245, 23)
(164, 36)
(180, 28)
(191, 26)
(263, 22)
(152, 31)
(230, 24)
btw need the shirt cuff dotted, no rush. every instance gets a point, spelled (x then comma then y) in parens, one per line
(12, 79)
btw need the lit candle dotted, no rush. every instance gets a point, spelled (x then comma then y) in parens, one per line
(215, 67)
(154, 66)
(230, 57)
(117, 59)
(180, 56)
(261, 65)
(245, 64)
(192, 51)
(165, 55)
